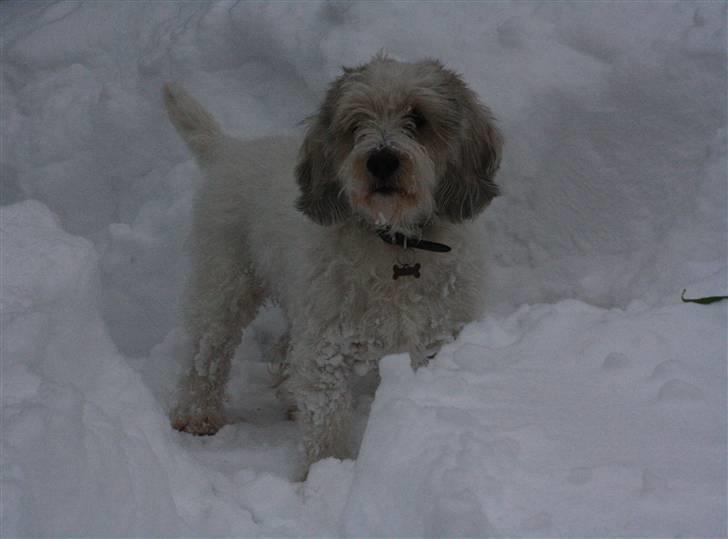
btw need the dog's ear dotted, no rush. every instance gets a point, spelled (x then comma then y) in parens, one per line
(468, 185)
(322, 197)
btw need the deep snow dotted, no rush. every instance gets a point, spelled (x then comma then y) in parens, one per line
(588, 401)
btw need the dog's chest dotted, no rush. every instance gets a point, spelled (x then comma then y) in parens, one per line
(379, 315)
(347, 304)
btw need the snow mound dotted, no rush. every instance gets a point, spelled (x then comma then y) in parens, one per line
(82, 436)
(559, 420)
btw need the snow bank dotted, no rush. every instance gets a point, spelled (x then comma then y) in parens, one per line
(561, 420)
(81, 433)
(589, 401)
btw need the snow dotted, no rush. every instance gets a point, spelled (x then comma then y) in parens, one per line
(571, 438)
(588, 401)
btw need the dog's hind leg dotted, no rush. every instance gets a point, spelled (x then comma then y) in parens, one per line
(223, 296)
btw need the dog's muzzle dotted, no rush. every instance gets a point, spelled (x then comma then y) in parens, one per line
(383, 165)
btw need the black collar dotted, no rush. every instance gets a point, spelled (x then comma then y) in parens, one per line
(400, 239)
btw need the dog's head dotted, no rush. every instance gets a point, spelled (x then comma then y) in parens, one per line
(397, 143)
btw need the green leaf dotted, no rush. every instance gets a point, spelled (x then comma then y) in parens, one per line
(703, 301)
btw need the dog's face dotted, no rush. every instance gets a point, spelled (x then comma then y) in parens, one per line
(396, 144)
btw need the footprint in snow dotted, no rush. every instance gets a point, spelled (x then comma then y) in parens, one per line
(615, 361)
(679, 390)
(580, 476)
(668, 369)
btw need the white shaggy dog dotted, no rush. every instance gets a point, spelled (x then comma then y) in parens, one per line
(355, 250)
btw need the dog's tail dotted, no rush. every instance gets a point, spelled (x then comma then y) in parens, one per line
(195, 125)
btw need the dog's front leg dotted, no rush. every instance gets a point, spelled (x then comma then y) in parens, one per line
(320, 385)
(422, 354)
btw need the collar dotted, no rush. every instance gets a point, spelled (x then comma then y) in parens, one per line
(406, 242)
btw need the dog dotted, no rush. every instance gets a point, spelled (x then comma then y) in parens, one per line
(363, 232)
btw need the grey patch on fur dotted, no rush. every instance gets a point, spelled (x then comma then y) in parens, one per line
(322, 198)
(468, 185)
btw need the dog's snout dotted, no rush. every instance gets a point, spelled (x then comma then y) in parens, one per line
(383, 164)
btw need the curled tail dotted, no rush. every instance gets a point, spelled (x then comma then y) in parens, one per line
(195, 125)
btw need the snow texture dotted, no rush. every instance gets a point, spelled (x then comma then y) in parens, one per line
(589, 400)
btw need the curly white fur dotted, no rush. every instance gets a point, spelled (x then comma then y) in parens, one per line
(325, 264)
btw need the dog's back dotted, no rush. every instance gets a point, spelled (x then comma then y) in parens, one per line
(249, 191)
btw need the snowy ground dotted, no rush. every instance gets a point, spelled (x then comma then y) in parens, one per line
(589, 401)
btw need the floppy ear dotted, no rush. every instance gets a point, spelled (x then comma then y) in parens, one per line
(468, 185)
(322, 198)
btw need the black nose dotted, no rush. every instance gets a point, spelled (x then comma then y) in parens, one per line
(382, 164)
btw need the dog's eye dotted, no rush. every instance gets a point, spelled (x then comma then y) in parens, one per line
(355, 132)
(353, 128)
(415, 121)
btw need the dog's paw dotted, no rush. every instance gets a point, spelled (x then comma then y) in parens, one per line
(204, 425)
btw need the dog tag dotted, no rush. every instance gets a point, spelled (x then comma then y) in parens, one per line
(404, 270)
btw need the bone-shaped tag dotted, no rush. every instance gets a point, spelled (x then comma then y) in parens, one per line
(405, 270)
